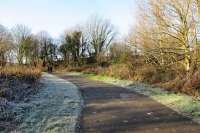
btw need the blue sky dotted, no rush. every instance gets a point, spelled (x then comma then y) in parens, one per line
(55, 16)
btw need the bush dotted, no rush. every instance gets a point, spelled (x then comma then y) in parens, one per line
(145, 74)
(121, 71)
(192, 84)
(20, 72)
(189, 84)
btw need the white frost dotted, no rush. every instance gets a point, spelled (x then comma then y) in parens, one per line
(55, 109)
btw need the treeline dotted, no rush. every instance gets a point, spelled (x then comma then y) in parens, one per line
(163, 47)
(88, 43)
(77, 46)
(19, 45)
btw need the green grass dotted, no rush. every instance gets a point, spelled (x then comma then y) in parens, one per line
(99, 77)
(107, 79)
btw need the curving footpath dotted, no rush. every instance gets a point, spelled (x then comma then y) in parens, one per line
(107, 109)
(55, 109)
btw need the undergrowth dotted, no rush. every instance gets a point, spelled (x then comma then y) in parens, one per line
(172, 79)
(20, 72)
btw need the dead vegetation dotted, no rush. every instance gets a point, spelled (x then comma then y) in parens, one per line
(20, 72)
(162, 49)
(17, 83)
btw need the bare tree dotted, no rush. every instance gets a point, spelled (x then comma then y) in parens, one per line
(44, 40)
(31, 50)
(99, 33)
(21, 35)
(47, 47)
(168, 32)
(5, 45)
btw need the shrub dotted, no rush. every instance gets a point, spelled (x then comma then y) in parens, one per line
(122, 71)
(20, 72)
(145, 74)
(189, 84)
(192, 84)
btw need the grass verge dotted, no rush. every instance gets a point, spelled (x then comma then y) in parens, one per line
(184, 104)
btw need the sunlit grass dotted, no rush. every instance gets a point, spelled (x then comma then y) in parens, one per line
(22, 72)
(108, 79)
(99, 77)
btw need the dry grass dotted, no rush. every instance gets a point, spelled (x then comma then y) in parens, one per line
(90, 69)
(121, 71)
(173, 79)
(169, 79)
(192, 84)
(17, 83)
(21, 72)
(188, 84)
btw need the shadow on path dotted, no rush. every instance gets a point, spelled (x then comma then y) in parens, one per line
(112, 109)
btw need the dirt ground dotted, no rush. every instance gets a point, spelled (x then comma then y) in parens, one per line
(112, 109)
